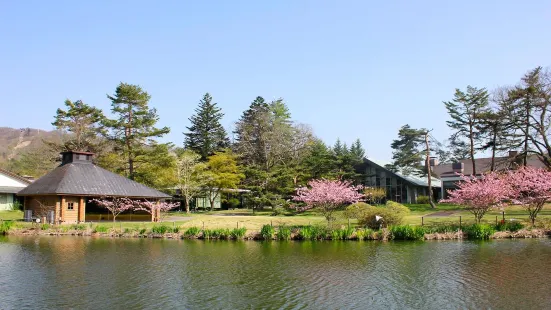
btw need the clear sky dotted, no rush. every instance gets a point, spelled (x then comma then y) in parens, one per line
(350, 69)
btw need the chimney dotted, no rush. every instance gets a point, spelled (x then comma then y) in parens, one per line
(433, 160)
(76, 157)
(513, 154)
(458, 167)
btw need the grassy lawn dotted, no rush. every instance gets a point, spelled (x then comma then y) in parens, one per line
(447, 214)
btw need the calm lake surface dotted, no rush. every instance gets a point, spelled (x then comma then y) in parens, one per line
(89, 273)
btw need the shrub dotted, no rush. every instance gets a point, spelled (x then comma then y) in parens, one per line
(278, 211)
(283, 233)
(267, 232)
(363, 234)
(142, 231)
(78, 227)
(101, 229)
(423, 200)
(451, 228)
(312, 232)
(407, 232)
(374, 195)
(234, 202)
(238, 233)
(45, 226)
(479, 231)
(5, 226)
(207, 234)
(176, 229)
(161, 229)
(221, 233)
(356, 210)
(509, 226)
(192, 231)
(342, 234)
(392, 213)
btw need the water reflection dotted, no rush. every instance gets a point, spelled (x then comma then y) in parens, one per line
(78, 272)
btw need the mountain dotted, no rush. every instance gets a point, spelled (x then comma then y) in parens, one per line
(16, 141)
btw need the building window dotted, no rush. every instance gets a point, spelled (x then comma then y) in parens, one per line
(70, 206)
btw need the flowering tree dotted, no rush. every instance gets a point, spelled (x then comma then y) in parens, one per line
(531, 188)
(115, 205)
(328, 196)
(479, 195)
(155, 208)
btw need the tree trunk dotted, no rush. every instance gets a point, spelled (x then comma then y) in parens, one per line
(471, 151)
(429, 172)
(494, 139)
(527, 128)
(187, 204)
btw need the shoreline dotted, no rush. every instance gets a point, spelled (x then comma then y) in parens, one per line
(382, 235)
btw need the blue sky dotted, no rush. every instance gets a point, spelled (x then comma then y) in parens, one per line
(350, 69)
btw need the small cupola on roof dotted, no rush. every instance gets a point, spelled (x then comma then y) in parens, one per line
(76, 157)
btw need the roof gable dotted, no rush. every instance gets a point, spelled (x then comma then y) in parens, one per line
(11, 179)
(416, 180)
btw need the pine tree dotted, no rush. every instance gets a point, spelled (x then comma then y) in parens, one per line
(357, 151)
(133, 129)
(465, 110)
(408, 151)
(84, 123)
(206, 135)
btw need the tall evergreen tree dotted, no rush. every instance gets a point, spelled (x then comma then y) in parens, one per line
(465, 110)
(84, 124)
(133, 129)
(357, 150)
(206, 135)
(408, 151)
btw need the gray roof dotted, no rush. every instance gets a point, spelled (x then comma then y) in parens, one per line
(10, 189)
(416, 180)
(87, 179)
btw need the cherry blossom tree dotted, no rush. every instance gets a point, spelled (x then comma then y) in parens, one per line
(155, 208)
(531, 188)
(328, 196)
(115, 205)
(479, 195)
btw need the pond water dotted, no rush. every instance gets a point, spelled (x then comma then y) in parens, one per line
(84, 273)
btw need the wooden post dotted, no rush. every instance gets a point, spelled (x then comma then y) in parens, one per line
(62, 208)
(460, 222)
(503, 215)
(496, 219)
(81, 208)
(422, 220)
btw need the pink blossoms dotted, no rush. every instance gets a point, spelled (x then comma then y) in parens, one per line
(328, 196)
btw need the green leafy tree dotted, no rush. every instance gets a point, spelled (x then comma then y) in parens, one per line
(84, 124)
(206, 135)
(222, 172)
(465, 111)
(156, 166)
(320, 163)
(134, 126)
(190, 173)
(357, 151)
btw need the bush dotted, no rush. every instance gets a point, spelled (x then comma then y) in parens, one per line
(207, 234)
(375, 195)
(356, 210)
(161, 229)
(176, 229)
(278, 211)
(5, 226)
(479, 231)
(312, 232)
(78, 227)
(363, 234)
(441, 229)
(45, 226)
(238, 233)
(267, 232)
(284, 233)
(192, 231)
(406, 232)
(393, 213)
(509, 226)
(342, 234)
(142, 231)
(234, 203)
(221, 233)
(423, 200)
(101, 229)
